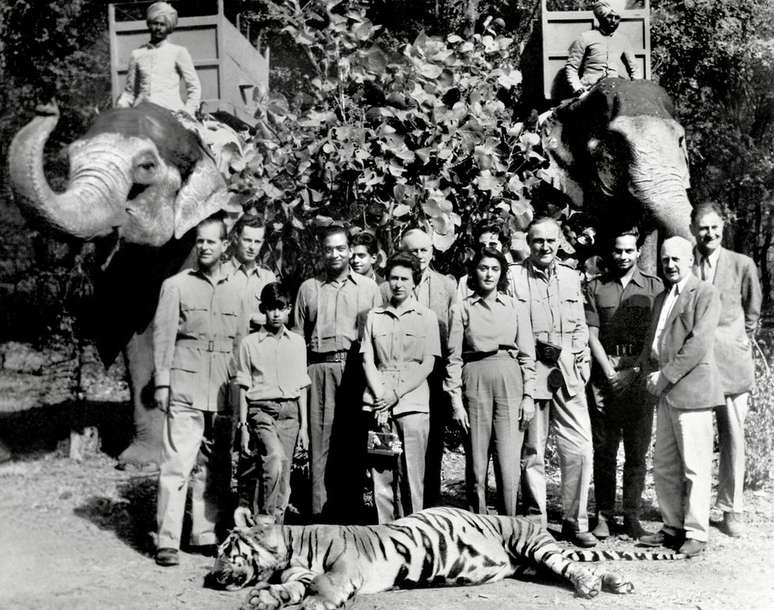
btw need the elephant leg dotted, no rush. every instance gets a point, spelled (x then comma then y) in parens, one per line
(145, 449)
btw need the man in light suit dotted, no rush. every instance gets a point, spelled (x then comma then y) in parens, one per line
(736, 279)
(678, 360)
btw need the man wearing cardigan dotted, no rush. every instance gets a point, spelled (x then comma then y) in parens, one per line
(679, 364)
(736, 279)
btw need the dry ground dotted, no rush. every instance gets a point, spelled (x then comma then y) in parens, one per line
(76, 535)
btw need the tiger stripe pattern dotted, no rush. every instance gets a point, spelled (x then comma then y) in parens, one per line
(324, 566)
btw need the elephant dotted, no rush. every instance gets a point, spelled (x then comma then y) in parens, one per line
(619, 153)
(139, 183)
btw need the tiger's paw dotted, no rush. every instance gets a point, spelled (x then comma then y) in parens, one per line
(615, 582)
(587, 584)
(264, 597)
(314, 602)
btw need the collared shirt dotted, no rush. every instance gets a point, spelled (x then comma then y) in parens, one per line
(154, 75)
(666, 309)
(330, 313)
(622, 313)
(484, 325)
(250, 283)
(708, 265)
(594, 56)
(272, 366)
(399, 340)
(198, 324)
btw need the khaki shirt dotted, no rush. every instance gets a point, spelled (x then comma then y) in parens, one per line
(271, 366)
(197, 326)
(483, 325)
(555, 303)
(250, 284)
(330, 314)
(399, 340)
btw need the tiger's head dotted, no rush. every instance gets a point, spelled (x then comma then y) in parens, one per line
(249, 556)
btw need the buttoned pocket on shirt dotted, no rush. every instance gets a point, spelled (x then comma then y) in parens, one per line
(413, 344)
(183, 374)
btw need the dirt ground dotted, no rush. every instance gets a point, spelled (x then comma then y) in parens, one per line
(77, 535)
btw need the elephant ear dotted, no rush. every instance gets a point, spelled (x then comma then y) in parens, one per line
(203, 194)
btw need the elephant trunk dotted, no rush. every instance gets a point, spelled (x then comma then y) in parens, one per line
(658, 172)
(87, 209)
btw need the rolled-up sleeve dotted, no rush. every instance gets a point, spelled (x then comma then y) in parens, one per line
(243, 375)
(165, 324)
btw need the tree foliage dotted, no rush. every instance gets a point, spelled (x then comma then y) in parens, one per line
(388, 137)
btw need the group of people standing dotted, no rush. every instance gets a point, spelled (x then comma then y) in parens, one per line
(515, 350)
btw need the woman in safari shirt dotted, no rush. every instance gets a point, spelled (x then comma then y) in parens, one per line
(400, 343)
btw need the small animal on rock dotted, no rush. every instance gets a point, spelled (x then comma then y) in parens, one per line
(324, 566)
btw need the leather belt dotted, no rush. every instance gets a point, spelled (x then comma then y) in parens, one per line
(318, 357)
(502, 351)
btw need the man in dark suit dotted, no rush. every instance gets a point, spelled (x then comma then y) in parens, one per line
(680, 366)
(736, 279)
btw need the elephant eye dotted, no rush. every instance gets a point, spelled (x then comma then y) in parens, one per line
(147, 166)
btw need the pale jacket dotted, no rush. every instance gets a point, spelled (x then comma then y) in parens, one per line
(594, 56)
(154, 76)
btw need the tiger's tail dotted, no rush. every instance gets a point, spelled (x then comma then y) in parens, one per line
(587, 556)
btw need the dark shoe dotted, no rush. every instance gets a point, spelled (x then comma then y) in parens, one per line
(661, 538)
(691, 547)
(634, 530)
(166, 556)
(601, 529)
(582, 539)
(732, 524)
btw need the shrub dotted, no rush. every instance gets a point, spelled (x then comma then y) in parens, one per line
(759, 427)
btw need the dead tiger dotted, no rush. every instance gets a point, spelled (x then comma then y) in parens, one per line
(324, 566)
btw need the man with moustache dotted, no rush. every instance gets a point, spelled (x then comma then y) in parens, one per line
(330, 312)
(552, 293)
(618, 309)
(249, 277)
(678, 363)
(736, 278)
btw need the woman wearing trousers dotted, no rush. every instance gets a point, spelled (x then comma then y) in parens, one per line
(490, 379)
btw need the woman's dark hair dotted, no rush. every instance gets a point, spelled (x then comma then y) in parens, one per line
(481, 254)
(274, 295)
(404, 259)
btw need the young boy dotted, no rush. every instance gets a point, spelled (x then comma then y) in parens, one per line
(365, 253)
(272, 379)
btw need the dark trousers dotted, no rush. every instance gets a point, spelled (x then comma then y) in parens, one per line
(439, 417)
(264, 477)
(628, 417)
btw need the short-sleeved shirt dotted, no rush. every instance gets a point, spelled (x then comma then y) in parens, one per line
(272, 366)
(330, 313)
(199, 323)
(250, 282)
(399, 340)
(484, 325)
(622, 314)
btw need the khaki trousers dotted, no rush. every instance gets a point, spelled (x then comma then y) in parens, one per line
(569, 417)
(730, 420)
(404, 483)
(189, 443)
(682, 469)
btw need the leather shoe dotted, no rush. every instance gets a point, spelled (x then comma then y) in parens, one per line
(732, 524)
(167, 556)
(633, 528)
(691, 547)
(660, 538)
(582, 539)
(601, 529)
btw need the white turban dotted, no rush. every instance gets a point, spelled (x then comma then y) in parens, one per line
(164, 10)
(602, 8)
